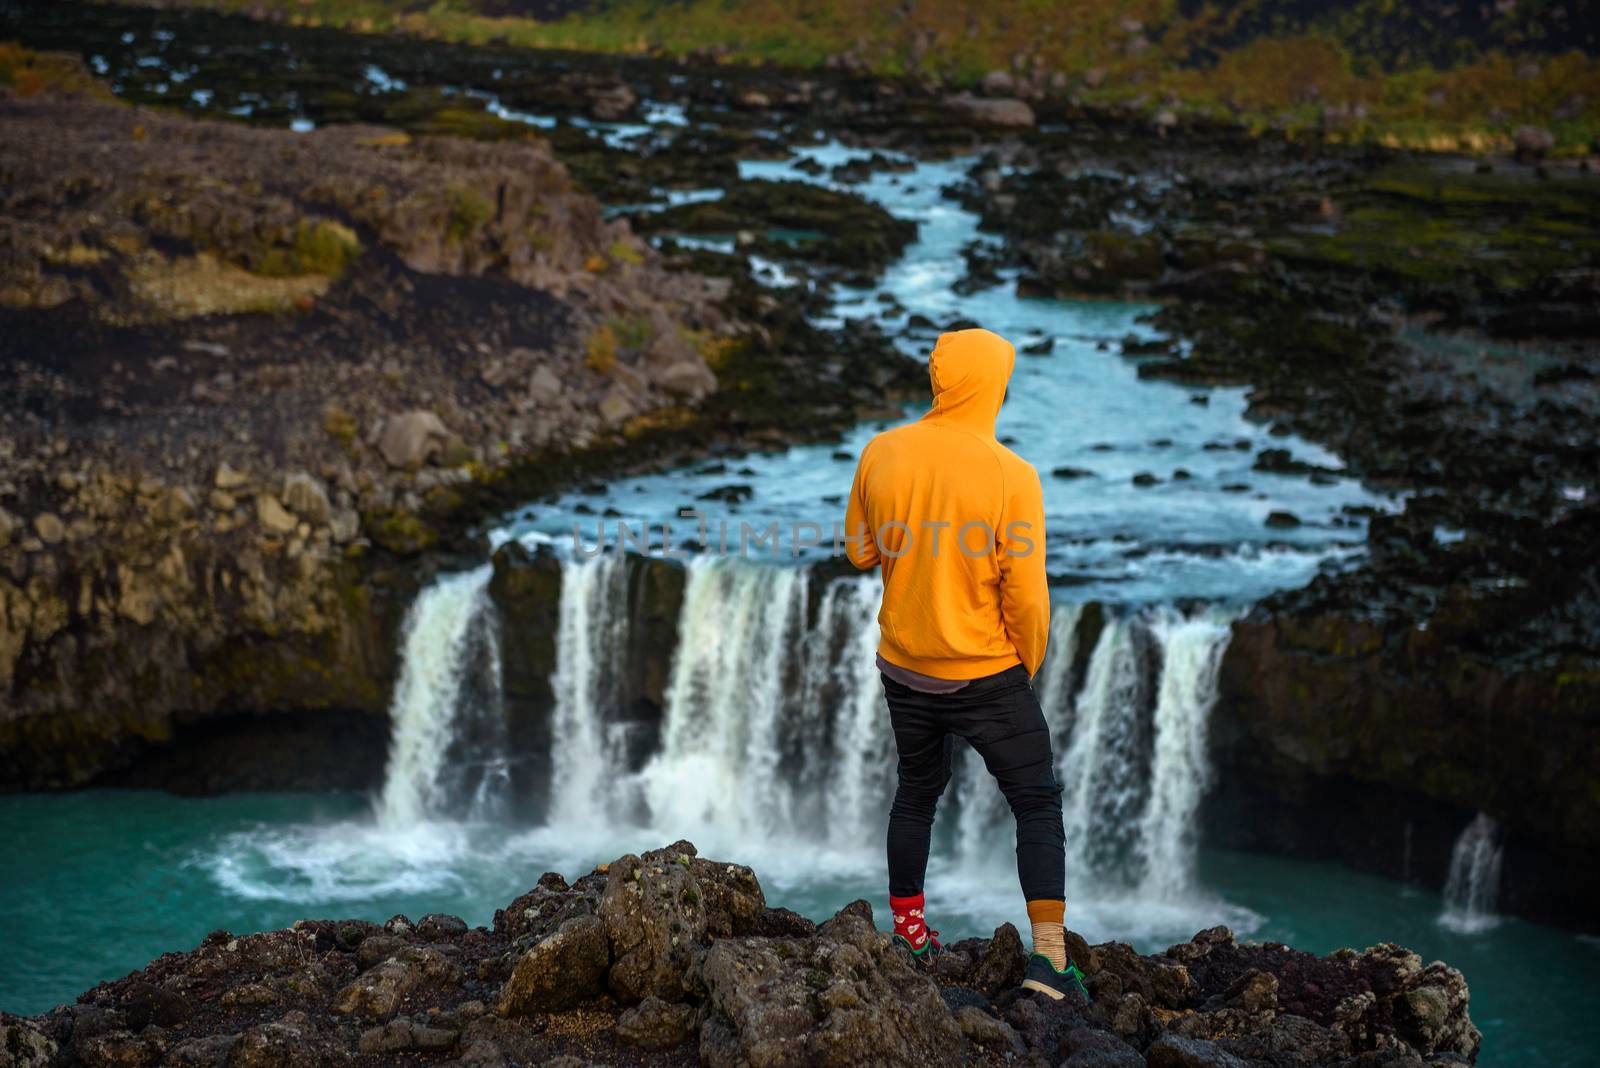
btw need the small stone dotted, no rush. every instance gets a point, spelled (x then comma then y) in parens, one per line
(998, 83)
(249, 995)
(49, 527)
(402, 1035)
(345, 525)
(8, 526)
(616, 408)
(176, 505)
(437, 926)
(986, 1030)
(1173, 1051)
(229, 479)
(1003, 963)
(273, 516)
(685, 378)
(411, 439)
(993, 111)
(655, 1025)
(544, 387)
(221, 500)
(375, 949)
(306, 497)
(560, 971)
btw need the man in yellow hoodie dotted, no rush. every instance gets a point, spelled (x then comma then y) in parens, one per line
(956, 521)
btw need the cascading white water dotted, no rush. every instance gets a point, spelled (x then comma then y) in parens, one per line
(1101, 769)
(427, 700)
(1192, 651)
(860, 773)
(716, 771)
(775, 723)
(590, 639)
(1473, 884)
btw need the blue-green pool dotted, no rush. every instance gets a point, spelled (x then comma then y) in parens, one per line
(97, 883)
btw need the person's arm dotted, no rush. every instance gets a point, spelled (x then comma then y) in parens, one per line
(860, 545)
(1024, 585)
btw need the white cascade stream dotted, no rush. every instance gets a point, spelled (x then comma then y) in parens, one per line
(427, 709)
(590, 640)
(1473, 884)
(775, 727)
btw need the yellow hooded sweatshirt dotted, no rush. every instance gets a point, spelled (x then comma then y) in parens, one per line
(957, 521)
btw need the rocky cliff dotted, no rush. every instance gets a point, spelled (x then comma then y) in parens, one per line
(249, 376)
(670, 958)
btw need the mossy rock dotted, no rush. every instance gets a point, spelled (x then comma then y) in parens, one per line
(399, 531)
(319, 247)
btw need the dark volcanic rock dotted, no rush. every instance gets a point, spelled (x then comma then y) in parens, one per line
(654, 1024)
(744, 993)
(560, 971)
(845, 996)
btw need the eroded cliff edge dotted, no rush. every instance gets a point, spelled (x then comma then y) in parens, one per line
(258, 384)
(671, 958)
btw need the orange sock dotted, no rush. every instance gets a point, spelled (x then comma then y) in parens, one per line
(1049, 932)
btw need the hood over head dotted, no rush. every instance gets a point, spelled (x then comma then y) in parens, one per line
(969, 370)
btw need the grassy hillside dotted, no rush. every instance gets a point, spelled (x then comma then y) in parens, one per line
(1440, 74)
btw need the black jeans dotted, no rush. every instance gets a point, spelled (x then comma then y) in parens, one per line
(1000, 716)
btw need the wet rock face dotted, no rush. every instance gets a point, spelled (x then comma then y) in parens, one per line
(668, 957)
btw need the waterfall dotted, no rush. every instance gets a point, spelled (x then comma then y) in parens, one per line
(859, 782)
(718, 766)
(1191, 657)
(1131, 751)
(1474, 879)
(774, 724)
(1102, 768)
(439, 725)
(590, 640)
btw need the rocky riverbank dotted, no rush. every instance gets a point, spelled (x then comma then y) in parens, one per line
(1433, 321)
(670, 958)
(252, 374)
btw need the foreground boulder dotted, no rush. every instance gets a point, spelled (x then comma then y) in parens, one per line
(667, 957)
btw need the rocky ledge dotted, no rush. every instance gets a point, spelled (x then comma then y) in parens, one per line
(670, 958)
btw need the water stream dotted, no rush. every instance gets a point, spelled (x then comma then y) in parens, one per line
(1474, 880)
